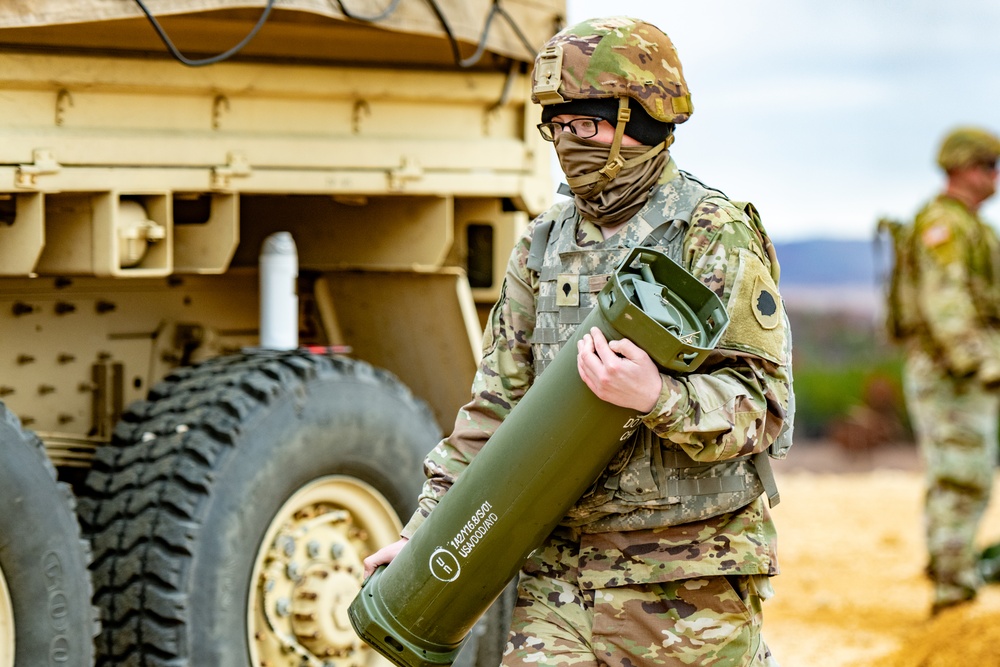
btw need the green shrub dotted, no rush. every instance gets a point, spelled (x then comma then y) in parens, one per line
(842, 363)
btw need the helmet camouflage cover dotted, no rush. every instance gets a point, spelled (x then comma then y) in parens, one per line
(965, 146)
(613, 57)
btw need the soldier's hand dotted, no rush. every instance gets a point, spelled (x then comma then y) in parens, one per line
(383, 556)
(619, 372)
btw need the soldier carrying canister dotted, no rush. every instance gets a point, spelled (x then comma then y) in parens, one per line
(667, 557)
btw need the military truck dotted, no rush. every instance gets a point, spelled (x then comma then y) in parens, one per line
(198, 450)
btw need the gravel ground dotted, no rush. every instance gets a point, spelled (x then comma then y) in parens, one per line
(852, 591)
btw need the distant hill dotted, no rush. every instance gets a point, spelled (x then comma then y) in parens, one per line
(832, 275)
(829, 262)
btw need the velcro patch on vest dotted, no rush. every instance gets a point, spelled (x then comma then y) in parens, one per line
(568, 289)
(756, 317)
(597, 283)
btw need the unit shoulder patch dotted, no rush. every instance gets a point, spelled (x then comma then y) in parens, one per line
(764, 304)
(756, 315)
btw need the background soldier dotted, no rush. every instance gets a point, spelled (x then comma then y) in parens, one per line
(950, 298)
(666, 558)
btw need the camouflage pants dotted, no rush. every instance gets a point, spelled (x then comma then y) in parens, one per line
(708, 621)
(956, 426)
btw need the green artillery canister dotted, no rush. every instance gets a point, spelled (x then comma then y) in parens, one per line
(418, 610)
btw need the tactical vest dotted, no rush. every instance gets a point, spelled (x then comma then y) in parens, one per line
(904, 317)
(650, 482)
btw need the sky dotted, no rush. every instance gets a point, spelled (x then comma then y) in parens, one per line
(826, 115)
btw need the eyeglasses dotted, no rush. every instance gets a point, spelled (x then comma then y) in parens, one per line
(584, 128)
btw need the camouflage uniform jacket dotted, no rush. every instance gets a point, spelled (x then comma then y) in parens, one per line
(731, 407)
(956, 265)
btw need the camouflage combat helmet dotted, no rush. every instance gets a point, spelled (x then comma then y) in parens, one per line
(612, 58)
(965, 146)
(616, 58)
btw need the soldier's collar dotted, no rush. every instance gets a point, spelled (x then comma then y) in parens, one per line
(670, 171)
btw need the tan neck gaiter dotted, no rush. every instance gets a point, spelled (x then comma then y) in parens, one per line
(624, 195)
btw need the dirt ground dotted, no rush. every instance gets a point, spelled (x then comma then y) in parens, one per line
(852, 591)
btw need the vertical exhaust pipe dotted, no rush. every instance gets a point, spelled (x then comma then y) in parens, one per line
(279, 303)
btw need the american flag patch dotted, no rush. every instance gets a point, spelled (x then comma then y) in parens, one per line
(935, 235)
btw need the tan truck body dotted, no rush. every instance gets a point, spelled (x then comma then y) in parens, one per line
(136, 193)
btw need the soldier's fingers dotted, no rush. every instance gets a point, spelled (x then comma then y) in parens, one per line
(585, 357)
(370, 564)
(583, 367)
(585, 348)
(601, 345)
(626, 348)
(589, 365)
(383, 556)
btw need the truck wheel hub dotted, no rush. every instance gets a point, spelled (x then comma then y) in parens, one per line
(319, 616)
(308, 571)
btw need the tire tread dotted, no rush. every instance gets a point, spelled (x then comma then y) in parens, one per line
(149, 488)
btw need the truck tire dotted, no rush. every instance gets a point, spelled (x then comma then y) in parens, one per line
(231, 511)
(46, 617)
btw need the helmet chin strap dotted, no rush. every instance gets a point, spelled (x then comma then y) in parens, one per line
(615, 164)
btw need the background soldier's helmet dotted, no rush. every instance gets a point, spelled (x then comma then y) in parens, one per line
(612, 58)
(965, 146)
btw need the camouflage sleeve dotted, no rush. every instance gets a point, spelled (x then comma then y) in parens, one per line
(735, 403)
(505, 373)
(945, 300)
